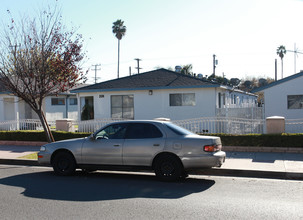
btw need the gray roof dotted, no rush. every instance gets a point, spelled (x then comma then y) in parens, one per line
(278, 82)
(156, 79)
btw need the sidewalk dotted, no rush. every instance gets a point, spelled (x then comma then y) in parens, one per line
(242, 164)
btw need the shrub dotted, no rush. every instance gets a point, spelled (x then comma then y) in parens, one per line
(28, 135)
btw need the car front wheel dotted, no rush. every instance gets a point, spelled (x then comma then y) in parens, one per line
(168, 168)
(64, 164)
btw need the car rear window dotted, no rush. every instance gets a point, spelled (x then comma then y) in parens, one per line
(177, 129)
(142, 131)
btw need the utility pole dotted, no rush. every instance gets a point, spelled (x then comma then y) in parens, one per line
(96, 69)
(138, 65)
(215, 63)
(296, 52)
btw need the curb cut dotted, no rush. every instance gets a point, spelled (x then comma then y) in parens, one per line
(209, 172)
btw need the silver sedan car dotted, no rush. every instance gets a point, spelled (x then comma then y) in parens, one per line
(167, 149)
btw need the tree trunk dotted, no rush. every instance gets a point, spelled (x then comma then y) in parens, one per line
(49, 136)
(118, 56)
(282, 69)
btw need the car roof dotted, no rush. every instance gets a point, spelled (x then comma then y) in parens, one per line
(142, 121)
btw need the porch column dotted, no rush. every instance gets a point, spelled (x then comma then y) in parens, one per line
(79, 107)
(16, 103)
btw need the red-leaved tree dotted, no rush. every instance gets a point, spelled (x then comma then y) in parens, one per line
(40, 57)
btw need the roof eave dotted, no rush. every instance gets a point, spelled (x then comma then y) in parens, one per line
(143, 88)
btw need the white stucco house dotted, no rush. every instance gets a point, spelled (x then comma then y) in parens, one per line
(284, 97)
(55, 107)
(158, 93)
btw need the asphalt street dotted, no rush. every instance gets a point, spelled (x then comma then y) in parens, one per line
(36, 193)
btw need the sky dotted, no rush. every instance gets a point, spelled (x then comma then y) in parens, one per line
(243, 34)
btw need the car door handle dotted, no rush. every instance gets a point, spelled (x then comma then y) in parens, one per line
(116, 145)
(156, 145)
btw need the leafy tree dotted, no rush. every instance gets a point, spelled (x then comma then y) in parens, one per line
(119, 29)
(281, 51)
(39, 57)
(235, 82)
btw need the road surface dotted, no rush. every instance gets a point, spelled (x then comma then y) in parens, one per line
(36, 193)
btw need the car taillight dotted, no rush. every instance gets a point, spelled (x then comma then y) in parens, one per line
(212, 148)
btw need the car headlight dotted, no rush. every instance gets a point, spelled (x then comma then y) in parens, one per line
(42, 148)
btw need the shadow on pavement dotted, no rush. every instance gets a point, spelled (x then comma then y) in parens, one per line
(102, 186)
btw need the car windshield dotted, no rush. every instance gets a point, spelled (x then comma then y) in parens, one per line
(177, 129)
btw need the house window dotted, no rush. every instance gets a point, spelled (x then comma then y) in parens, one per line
(73, 101)
(122, 106)
(219, 100)
(182, 99)
(58, 101)
(295, 101)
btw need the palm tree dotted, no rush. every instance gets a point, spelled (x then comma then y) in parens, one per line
(281, 51)
(186, 69)
(119, 30)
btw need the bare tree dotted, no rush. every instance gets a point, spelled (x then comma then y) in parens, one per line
(40, 57)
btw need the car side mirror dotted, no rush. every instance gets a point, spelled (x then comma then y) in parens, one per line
(92, 137)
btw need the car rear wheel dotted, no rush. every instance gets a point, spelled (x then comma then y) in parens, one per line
(64, 164)
(168, 168)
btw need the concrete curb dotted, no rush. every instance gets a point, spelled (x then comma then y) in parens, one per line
(250, 173)
(210, 172)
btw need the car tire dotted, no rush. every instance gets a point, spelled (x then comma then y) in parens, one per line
(64, 164)
(168, 168)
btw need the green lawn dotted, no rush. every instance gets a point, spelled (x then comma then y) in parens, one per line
(33, 156)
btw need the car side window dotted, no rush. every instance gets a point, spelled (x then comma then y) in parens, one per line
(116, 131)
(142, 131)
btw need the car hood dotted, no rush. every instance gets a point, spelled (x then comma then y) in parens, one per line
(68, 144)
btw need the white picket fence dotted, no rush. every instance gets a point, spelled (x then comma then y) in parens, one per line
(294, 125)
(25, 124)
(213, 125)
(224, 125)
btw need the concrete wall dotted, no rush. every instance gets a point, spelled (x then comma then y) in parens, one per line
(275, 99)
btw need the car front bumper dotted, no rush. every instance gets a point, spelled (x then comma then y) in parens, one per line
(44, 158)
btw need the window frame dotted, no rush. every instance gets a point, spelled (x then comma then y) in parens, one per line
(182, 99)
(126, 108)
(73, 103)
(292, 98)
(56, 101)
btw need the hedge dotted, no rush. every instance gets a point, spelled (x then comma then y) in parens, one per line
(39, 135)
(265, 140)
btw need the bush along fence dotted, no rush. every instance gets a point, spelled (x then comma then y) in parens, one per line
(251, 142)
(212, 125)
